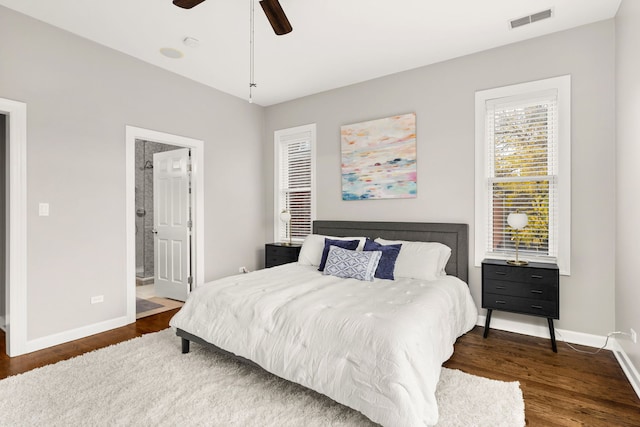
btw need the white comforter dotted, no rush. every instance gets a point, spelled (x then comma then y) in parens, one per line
(376, 347)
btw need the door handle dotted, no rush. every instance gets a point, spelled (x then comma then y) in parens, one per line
(154, 231)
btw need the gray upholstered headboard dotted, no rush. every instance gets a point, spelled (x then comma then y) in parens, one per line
(456, 236)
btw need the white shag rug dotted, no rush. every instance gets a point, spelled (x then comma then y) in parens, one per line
(147, 381)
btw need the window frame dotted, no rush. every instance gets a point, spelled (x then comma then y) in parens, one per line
(286, 136)
(530, 90)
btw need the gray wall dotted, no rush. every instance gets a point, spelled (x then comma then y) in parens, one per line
(3, 207)
(628, 174)
(442, 95)
(80, 96)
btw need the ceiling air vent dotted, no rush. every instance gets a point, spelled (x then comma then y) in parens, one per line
(519, 22)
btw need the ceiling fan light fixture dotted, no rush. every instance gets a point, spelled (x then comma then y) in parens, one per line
(276, 16)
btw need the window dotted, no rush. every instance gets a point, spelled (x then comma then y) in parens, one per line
(523, 162)
(294, 182)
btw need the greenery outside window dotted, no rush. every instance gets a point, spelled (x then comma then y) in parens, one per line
(523, 165)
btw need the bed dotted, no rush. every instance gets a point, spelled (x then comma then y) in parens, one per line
(375, 346)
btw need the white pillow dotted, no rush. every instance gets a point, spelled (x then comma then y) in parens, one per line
(311, 251)
(420, 260)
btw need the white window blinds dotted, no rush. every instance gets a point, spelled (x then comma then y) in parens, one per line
(295, 183)
(522, 144)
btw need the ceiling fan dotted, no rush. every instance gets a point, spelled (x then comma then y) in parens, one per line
(271, 8)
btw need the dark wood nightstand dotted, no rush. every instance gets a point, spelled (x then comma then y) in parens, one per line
(280, 253)
(532, 289)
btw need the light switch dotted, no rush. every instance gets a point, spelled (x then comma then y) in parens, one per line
(43, 209)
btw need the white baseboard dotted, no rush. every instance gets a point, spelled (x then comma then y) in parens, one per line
(74, 334)
(597, 341)
(542, 331)
(3, 325)
(627, 366)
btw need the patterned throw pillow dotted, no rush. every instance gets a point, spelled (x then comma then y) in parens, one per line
(352, 264)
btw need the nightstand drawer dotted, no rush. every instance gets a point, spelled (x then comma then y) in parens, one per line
(540, 276)
(279, 253)
(515, 304)
(548, 292)
(501, 272)
(273, 260)
(285, 251)
(518, 274)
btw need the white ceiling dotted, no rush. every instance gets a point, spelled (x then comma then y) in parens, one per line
(334, 43)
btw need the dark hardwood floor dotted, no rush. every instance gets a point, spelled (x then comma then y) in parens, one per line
(560, 389)
(16, 365)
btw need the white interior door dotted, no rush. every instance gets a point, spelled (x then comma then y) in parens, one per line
(172, 224)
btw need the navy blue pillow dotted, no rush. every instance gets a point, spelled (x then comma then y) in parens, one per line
(344, 244)
(387, 263)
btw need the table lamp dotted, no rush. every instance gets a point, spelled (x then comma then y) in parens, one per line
(285, 216)
(517, 221)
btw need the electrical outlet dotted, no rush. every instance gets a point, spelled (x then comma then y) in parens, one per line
(634, 336)
(97, 299)
(43, 209)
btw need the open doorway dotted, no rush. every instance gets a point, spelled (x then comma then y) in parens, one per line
(172, 162)
(149, 299)
(15, 209)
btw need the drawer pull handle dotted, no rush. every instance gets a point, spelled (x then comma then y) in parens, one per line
(536, 276)
(539, 307)
(536, 291)
(501, 287)
(501, 302)
(501, 273)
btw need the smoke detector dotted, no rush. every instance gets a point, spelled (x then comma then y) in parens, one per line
(530, 19)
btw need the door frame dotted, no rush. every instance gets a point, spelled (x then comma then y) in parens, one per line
(16, 227)
(197, 206)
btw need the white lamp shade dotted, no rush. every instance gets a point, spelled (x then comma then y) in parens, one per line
(517, 220)
(285, 216)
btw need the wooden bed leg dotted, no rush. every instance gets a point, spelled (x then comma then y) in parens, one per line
(185, 346)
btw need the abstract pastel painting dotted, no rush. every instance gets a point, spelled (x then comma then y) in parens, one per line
(379, 159)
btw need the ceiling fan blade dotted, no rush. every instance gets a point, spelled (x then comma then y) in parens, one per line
(276, 16)
(187, 4)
